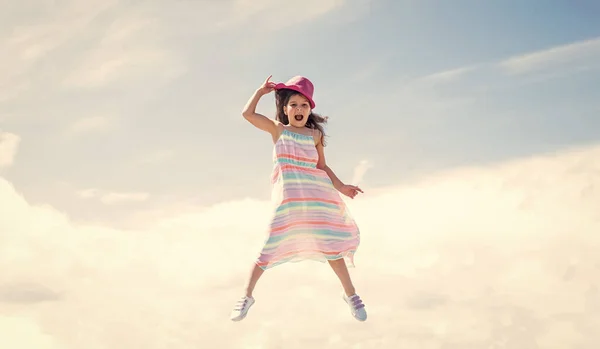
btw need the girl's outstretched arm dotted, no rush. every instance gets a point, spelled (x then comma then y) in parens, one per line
(348, 190)
(258, 120)
(337, 183)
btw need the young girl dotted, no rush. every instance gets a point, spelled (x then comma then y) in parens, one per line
(310, 221)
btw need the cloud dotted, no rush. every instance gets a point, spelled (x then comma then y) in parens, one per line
(21, 332)
(10, 91)
(31, 39)
(124, 52)
(115, 198)
(86, 45)
(26, 293)
(540, 65)
(156, 157)
(111, 198)
(9, 143)
(270, 15)
(480, 257)
(89, 193)
(360, 170)
(564, 59)
(89, 124)
(444, 76)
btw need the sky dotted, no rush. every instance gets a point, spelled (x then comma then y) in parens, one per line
(134, 196)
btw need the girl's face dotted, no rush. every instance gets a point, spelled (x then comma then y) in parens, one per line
(297, 110)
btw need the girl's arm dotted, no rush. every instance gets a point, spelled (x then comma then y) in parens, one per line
(337, 183)
(322, 165)
(348, 190)
(258, 120)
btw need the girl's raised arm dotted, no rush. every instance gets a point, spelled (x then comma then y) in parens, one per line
(258, 120)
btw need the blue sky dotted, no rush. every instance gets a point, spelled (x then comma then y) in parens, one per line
(145, 98)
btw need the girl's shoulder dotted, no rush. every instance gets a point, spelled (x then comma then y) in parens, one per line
(280, 127)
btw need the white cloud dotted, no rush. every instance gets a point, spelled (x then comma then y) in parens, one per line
(116, 198)
(504, 255)
(126, 52)
(33, 40)
(360, 170)
(9, 144)
(111, 198)
(271, 15)
(563, 59)
(21, 332)
(10, 90)
(445, 76)
(89, 193)
(156, 157)
(535, 66)
(89, 124)
(63, 36)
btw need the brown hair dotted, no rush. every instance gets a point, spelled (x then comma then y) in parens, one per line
(315, 121)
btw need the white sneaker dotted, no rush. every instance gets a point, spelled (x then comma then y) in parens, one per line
(240, 310)
(357, 307)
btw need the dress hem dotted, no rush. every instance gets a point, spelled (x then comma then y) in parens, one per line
(347, 256)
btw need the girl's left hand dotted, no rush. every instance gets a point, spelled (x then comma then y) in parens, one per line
(350, 190)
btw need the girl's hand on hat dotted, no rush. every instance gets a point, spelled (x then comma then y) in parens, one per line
(350, 190)
(267, 87)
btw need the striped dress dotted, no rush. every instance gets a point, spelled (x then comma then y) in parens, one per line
(310, 220)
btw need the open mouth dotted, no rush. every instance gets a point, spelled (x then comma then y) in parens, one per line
(298, 117)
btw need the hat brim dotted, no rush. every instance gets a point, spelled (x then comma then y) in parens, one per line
(282, 86)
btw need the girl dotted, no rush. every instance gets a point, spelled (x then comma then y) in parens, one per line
(310, 220)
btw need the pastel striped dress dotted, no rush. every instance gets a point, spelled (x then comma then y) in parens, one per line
(310, 220)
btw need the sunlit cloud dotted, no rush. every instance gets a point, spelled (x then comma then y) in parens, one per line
(9, 144)
(467, 257)
(110, 198)
(156, 157)
(496, 256)
(360, 170)
(89, 124)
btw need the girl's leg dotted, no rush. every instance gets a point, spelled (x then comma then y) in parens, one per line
(357, 307)
(254, 276)
(340, 269)
(240, 310)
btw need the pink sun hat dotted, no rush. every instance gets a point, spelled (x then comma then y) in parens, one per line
(299, 84)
